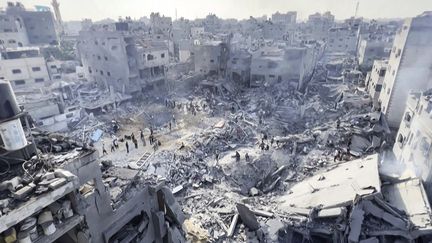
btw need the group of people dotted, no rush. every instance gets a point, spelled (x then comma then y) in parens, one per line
(263, 145)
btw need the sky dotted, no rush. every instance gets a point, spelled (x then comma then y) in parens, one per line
(240, 9)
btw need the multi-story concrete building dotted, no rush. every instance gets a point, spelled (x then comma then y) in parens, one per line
(239, 67)
(275, 31)
(197, 32)
(414, 138)
(12, 31)
(293, 65)
(342, 39)
(318, 25)
(211, 58)
(161, 25)
(25, 68)
(409, 66)
(371, 50)
(374, 80)
(116, 59)
(39, 25)
(284, 18)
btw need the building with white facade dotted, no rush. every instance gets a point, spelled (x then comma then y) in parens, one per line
(414, 138)
(409, 66)
(374, 80)
(25, 68)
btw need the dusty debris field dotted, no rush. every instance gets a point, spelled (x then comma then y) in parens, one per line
(240, 151)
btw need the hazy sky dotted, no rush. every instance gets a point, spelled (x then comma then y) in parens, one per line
(99, 9)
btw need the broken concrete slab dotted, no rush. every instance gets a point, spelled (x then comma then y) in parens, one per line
(356, 221)
(344, 183)
(247, 216)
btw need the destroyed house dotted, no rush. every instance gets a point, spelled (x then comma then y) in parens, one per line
(292, 65)
(61, 192)
(211, 57)
(362, 207)
(409, 66)
(119, 60)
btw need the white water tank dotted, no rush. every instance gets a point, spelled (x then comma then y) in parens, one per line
(12, 134)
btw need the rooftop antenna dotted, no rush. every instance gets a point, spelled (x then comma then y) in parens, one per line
(356, 10)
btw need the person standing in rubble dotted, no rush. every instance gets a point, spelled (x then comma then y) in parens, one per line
(132, 137)
(170, 126)
(237, 156)
(127, 147)
(104, 150)
(338, 122)
(112, 148)
(142, 137)
(135, 143)
(247, 157)
(217, 156)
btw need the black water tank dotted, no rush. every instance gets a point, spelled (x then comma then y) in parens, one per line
(8, 104)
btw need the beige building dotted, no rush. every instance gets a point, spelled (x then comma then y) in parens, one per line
(414, 138)
(25, 68)
(409, 66)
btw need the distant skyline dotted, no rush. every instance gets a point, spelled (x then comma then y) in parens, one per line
(239, 9)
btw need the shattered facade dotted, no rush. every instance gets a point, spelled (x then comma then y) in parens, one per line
(374, 80)
(414, 138)
(211, 58)
(118, 60)
(39, 25)
(408, 67)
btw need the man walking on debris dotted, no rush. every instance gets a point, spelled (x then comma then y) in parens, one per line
(247, 157)
(142, 137)
(135, 142)
(217, 156)
(127, 147)
(170, 126)
(112, 148)
(103, 149)
(237, 156)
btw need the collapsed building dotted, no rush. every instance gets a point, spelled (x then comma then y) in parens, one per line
(55, 189)
(374, 80)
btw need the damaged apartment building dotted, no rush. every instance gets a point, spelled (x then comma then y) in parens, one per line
(409, 66)
(123, 61)
(293, 65)
(25, 68)
(55, 189)
(413, 141)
